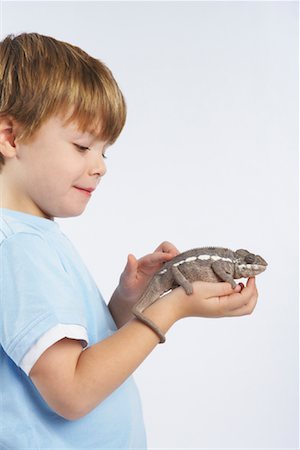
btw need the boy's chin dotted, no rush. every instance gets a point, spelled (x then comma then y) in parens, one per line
(65, 213)
(72, 214)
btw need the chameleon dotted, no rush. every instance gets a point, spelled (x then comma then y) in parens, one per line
(213, 264)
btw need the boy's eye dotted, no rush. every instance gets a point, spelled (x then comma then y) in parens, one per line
(81, 148)
(84, 149)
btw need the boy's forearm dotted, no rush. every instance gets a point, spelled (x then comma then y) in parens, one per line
(106, 365)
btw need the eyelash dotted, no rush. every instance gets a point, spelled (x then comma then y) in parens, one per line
(84, 149)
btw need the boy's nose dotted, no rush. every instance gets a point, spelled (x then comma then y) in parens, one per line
(97, 165)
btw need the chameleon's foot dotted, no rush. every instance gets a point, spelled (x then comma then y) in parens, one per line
(182, 281)
(188, 287)
(223, 273)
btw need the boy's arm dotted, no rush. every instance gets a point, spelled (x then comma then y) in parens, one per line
(73, 382)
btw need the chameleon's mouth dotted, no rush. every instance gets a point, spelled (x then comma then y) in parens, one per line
(256, 268)
(247, 270)
(253, 266)
(261, 267)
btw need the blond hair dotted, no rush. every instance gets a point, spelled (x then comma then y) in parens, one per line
(41, 76)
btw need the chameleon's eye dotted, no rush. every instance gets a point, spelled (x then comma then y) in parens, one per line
(249, 259)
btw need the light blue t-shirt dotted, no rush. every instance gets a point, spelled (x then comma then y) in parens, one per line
(44, 283)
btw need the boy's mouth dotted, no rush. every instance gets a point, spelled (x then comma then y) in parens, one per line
(87, 191)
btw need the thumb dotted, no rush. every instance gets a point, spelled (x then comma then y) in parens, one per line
(131, 265)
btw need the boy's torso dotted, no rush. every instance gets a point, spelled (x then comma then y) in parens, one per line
(27, 420)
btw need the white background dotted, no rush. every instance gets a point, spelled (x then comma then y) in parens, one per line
(208, 157)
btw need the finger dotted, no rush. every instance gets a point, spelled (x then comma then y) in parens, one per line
(240, 300)
(239, 287)
(245, 309)
(212, 289)
(167, 247)
(251, 283)
(154, 259)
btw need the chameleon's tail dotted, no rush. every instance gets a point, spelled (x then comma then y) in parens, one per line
(151, 294)
(150, 324)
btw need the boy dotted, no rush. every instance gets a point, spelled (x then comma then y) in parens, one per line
(67, 358)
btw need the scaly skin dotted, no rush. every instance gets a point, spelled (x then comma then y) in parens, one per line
(213, 264)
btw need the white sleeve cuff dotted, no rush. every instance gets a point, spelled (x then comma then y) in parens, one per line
(49, 338)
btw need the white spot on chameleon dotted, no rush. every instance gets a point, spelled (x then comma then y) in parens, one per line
(202, 258)
(191, 258)
(179, 262)
(213, 257)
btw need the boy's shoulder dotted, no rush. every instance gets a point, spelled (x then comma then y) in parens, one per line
(10, 226)
(13, 227)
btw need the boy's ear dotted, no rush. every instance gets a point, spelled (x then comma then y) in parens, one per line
(7, 137)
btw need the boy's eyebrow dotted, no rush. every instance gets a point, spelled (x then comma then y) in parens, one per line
(77, 134)
(73, 132)
(94, 138)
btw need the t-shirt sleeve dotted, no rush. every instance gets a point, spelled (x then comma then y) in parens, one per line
(49, 338)
(36, 295)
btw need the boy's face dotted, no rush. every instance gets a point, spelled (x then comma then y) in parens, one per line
(47, 173)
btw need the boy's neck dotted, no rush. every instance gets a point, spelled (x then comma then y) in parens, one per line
(9, 199)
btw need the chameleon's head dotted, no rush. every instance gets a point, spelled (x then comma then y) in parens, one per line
(248, 265)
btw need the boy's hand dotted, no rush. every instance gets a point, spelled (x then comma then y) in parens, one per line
(217, 300)
(138, 272)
